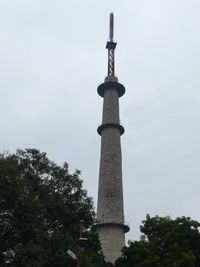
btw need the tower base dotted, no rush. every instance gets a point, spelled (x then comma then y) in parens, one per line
(112, 239)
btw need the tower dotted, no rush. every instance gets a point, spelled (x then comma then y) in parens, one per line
(110, 211)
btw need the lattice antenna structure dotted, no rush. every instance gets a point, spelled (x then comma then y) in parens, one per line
(111, 48)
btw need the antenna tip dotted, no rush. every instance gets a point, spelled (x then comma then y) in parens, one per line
(111, 26)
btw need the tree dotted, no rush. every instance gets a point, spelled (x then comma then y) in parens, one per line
(165, 243)
(41, 206)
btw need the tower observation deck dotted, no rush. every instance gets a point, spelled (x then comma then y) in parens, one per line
(110, 223)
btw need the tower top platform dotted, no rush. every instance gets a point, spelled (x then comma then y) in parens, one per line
(108, 85)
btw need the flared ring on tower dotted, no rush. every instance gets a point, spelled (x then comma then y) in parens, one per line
(110, 125)
(125, 227)
(111, 85)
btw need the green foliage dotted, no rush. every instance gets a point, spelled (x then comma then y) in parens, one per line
(41, 206)
(165, 243)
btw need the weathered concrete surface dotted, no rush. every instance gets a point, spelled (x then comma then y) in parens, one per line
(110, 193)
(110, 211)
(112, 240)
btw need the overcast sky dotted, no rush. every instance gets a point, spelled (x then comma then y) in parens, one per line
(53, 57)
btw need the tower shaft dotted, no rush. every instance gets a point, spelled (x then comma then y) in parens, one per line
(110, 211)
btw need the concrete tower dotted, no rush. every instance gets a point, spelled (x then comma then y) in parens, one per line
(110, 211)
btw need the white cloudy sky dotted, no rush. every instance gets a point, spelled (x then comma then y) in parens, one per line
(52, 57)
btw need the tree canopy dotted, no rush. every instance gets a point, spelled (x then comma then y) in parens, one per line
(164, 243)
(41, 206)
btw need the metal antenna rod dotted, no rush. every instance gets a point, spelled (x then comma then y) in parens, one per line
(111, 26)
(111, 48)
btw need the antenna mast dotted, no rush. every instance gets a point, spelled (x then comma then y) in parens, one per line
(111, 48)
